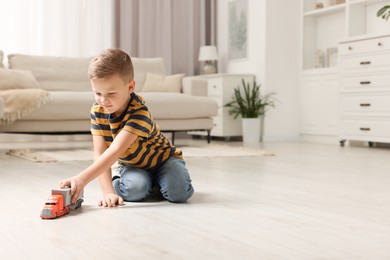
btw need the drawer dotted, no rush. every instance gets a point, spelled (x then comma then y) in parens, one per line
(365, 105)
(365, 83)
(220, 105)
(367, 129)
(365, 62)
(215, 87)
(364, 46)
(217, 126)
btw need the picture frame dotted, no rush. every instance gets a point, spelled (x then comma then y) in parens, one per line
(237, 29)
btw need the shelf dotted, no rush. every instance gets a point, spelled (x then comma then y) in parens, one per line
(365, 36)
(366, 2)
(326, 27)
(326, 11)
(320, 71)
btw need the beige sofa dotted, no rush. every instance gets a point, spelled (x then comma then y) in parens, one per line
(184, 107)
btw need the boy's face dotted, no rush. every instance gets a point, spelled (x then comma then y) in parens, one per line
(112, 93)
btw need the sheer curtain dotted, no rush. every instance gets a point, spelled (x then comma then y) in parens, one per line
(56, 27)
(172, 29)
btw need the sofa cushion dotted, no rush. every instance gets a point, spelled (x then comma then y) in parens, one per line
(1, 59)
(65, 105)
(179, 106)
(11, 79)
(144, 65)
(160, 83)
(55, 73)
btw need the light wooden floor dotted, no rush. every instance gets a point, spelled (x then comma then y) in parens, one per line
(311, 201)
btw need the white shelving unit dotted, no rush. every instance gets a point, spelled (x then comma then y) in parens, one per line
(365, 90)
(322, 30)
(320, 110)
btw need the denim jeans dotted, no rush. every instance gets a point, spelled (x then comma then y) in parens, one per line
(172, 177)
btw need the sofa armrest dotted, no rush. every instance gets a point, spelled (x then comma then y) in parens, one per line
(195, 86)
(1, 107)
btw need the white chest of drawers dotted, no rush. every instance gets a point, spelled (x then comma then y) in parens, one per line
(365, 90)
(221, 88)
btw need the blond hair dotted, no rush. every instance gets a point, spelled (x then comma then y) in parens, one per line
(110, 62)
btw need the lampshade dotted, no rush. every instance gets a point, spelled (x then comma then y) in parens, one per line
(208, 53)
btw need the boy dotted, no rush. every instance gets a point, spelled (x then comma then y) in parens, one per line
(123, 130)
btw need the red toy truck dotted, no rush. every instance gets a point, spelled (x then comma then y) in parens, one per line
(58, 204)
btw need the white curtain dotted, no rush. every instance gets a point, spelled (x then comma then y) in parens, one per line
(172, 29)
(56, 27)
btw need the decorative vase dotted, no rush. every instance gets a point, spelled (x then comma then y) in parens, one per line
(251, 130)
(319, 60)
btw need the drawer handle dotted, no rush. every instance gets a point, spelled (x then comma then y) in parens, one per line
(365, 104)
(380, 44)
(365, 129)
(365, 62)
(350, 48)
(365, 82)
(214, 86)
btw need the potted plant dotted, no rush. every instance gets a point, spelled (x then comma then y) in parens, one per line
(251, 106)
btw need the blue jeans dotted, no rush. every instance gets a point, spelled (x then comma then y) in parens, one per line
(172, 177)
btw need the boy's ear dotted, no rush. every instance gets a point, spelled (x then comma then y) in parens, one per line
(131, 85)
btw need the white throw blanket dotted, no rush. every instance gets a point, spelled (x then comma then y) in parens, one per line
(19, 103)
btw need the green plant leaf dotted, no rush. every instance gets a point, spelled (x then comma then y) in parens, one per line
(250, 103)
(384, 12)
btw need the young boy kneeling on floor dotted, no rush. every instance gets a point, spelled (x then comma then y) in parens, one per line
(123, 130)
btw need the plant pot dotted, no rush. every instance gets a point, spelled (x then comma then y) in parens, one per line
(251, 130)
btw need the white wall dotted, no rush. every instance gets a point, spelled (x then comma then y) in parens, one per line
(273, 56)
(283, 68)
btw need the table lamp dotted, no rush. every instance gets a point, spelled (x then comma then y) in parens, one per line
(208, 54)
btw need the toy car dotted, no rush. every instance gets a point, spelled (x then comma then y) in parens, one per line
(59, 204)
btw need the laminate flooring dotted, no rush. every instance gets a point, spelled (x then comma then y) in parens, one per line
(310, 201)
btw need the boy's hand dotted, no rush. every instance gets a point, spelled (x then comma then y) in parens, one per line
(111, 200)
(76, 187)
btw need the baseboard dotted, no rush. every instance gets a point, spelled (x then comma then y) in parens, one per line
(287, 138)
(324, 139)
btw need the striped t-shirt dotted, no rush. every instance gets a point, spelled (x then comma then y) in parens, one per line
(150, 149)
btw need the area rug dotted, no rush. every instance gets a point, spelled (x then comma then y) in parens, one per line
(208, 151)
(52, 156)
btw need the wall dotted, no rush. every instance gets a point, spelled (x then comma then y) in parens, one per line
(273, 56)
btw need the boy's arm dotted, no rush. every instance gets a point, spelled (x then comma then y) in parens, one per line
(102, 164)
(109, 197)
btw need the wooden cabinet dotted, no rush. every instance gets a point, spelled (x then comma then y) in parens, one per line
(221, 88)
(324, 61)
(365, 90)
(319, 106)
(323, 28)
